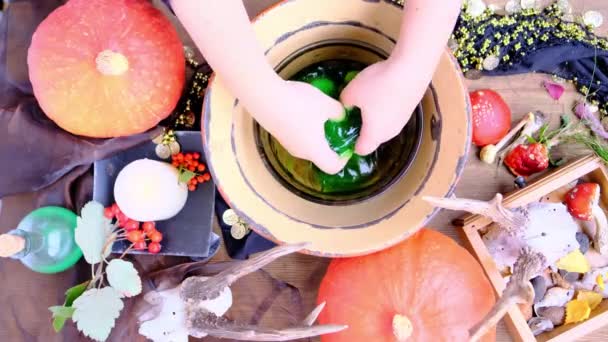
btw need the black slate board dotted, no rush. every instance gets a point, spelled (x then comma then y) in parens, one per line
(188, 233)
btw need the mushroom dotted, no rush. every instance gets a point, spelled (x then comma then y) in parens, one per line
(583, 204)
(195, 308)
(539, 325)
(547, 228)
(518, 291)
(489, 152)
(529, 129)
(527, 239)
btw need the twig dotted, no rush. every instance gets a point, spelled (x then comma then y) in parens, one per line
(126, 251)
(510, 220)
(197, 288)
(202, 322)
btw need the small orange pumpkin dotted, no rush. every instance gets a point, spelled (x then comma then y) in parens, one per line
(427, 288)
(106, 68)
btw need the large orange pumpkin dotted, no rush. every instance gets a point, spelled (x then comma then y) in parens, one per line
(106, 68)
(425, 289)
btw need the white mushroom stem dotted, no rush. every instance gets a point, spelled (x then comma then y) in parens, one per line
(489, 152)
(600, 240)
(519, 290)
(510, 220)
(529, 129)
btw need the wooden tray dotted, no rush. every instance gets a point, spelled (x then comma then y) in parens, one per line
(592, 169)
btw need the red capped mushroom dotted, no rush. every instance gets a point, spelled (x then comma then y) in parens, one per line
(583, 203)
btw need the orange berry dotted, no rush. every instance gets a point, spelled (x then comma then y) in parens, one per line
(175, 164)
(206, 176)
(188, 156)
(180, 157)
(194, 163)
(201, 167)
(196, 155)
(191, 168)
(191, 187)
(194, 181)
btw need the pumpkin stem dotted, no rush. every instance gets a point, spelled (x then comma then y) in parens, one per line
(402, 327)
(112, 63)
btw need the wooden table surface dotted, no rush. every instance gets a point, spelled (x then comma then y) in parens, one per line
(523, 93)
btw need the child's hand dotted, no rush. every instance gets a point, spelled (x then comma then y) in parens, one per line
(386, 99)
(295, 114)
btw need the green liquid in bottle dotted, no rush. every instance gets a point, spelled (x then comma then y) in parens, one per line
(45, 239)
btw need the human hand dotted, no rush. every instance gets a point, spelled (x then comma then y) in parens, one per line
(386, 99)
(296, 117)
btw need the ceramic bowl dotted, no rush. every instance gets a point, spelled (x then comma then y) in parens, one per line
(296, 34)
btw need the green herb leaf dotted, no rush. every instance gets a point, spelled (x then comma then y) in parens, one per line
(186, 175)
(123, 277)
(556, 163)
(565, 121)
(60, 315)
(530, 139)
(74, 292)
(96, 312)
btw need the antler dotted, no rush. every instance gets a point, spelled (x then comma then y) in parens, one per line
(519, 290)
(202, 323)
(510, 220)
(197, 288)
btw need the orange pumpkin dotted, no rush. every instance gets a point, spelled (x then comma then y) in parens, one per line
(106, 68)
(427, 288)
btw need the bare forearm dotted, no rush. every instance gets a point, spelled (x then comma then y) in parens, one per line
(223, 33)
(425, 30)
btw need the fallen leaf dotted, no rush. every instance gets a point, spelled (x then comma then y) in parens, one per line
(593, 299)
(577, 311)
(555, 90)
(575, 261)
(600, 282)
(96, 312)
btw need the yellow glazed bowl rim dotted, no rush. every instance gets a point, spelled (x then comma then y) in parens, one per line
(281, 216)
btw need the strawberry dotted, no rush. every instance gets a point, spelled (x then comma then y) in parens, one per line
(526, 160)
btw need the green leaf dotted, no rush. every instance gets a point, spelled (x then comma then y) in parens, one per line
(186, 175)
(96, 312)
(92, 232)
(530, 139)
(565, 121)
(123, 277)
(58, 323)
(556, 163)
(60, 315)
(74, 292)
(62, 311)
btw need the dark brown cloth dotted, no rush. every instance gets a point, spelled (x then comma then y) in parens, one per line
(34, 152)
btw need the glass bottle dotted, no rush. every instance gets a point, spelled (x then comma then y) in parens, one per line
(43, 241)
